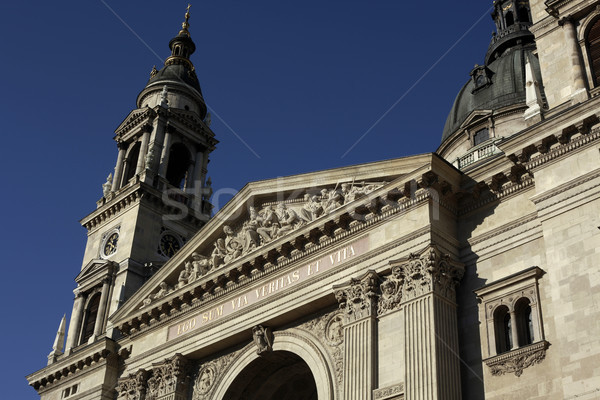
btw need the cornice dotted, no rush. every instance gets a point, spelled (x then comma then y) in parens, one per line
(135, 119)
(84, 359)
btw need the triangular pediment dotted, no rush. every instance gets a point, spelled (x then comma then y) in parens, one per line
(270, 220)
(94, 271)
(476, 116)
(134, 119)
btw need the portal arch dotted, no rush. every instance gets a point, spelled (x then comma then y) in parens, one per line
(287, 344)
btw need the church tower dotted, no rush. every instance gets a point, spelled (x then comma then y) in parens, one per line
(156, 199)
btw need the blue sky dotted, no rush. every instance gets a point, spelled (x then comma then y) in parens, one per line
(299, 82)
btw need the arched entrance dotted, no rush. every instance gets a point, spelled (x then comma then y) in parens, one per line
(278, 375)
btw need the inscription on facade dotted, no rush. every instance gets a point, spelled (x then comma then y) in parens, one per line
(273, 286)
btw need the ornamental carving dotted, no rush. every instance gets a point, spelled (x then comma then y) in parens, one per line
(330, 326)
(429, 272)
(389, 393)
(263, 339)
(209, 374)
(517, 360)
(264, 226)
(133, 387)
(358, 299)
(167, 378)
(391, 292)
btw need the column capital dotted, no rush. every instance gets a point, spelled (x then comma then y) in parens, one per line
(358, 298)
(133, 386)
(428, 271)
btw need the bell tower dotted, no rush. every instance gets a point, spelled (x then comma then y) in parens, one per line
(155, 200)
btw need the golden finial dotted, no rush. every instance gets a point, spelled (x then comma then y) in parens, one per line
(186, 24)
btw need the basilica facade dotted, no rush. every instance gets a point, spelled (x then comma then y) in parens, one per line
(471, 272)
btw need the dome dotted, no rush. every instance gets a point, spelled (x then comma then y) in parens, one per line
(176, 73)
(505, 87)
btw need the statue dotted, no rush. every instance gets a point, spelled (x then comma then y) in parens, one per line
(107, 186)
(233, 246)
(153, 72)
(250, 236)
(262, 339)
(208, 119)
(164, 102)
(217, 258)
(149, 158)
(201, 264)
(185, 276)
(311, 210)
(270, 225)
(288, 219)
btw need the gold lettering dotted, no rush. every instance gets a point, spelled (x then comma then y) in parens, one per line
(296, 275)
(204, 317)
(352, 250)
(219, 311)
(332, 259)
(257, 293)
(289, 279)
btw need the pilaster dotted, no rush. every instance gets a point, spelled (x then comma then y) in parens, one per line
(423, 285)
(358, 301)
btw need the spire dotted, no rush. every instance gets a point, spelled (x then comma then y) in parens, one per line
(59, 342)
(533, 95)
(182, 45)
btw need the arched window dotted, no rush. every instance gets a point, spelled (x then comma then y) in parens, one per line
(524, 322)
(131, 163)
(523, 14)
(89, 322)
(510, 19)
(179, 160)
(502, 327)
(593, 43)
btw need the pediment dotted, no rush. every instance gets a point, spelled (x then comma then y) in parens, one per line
(272, 221)
(135, 118)
(476, 116)
(94, 271)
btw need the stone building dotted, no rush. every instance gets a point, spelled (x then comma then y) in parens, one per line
(467, 273)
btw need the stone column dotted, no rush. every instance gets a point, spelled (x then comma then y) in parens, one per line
(579, 92)
(75, 322)
(198, 167)
(431, 349)
(116, 183)
(189, 178)
(143, 151)
(164, 157)
(102, 308)
(513, 330)
(358, 300)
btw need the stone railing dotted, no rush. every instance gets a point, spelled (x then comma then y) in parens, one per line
(477, 153)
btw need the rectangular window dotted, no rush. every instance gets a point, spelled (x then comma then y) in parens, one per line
(481, 136)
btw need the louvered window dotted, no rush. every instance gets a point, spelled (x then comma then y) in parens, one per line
(593, 41)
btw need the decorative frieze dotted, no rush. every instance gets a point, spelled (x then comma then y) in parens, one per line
(389, 393)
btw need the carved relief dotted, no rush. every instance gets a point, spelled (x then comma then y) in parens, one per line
(168, 378)
(266, 225)
(133, 387)
(430, 272)
(517, 360)
(330, 326)
(209, 374)
(389, 393)
(391, 292)
(359, 298)
(263, 339)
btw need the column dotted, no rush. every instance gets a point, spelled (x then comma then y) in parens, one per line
(432, 363)
(513, 330)
(579, 92)
(164, 157)
(358, 300)
(75, 322)
(98, 326)
(119, 167)
(189, 178)
(143, 151)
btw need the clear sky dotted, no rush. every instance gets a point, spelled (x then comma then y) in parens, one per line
(307, 85)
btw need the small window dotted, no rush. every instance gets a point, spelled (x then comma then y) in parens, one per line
(69, 391)
(481, 136)
(511, 322)
(510, 19)
(524, 15)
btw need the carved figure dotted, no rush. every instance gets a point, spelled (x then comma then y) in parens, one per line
(219, 253)
(186, 275)
(233, 246)
(163, 97)
(288, 219)
(107, 186)
(312, 210)
(262, 339)
(334, 201)
(270, 225)
(149, 158)
(205, 380)
(208, 119)
(201, 264)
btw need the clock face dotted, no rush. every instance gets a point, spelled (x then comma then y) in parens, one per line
(169, 245)
(110, 246)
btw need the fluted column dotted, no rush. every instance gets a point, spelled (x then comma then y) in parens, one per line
(119, 167)
(75, 322)
(427, 296)
(579, 92)
(98, 326)
(358, 301)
